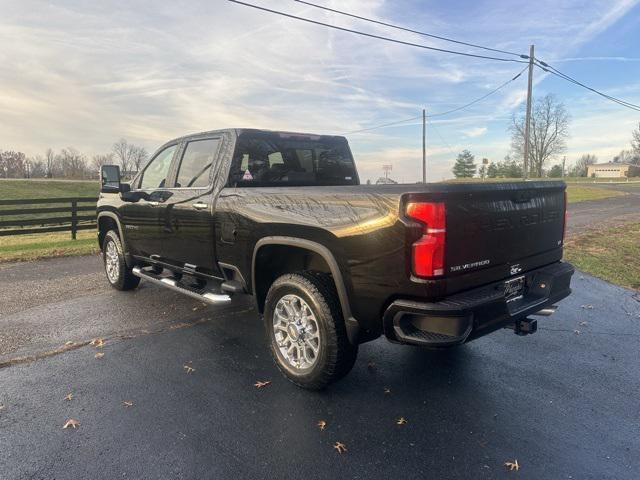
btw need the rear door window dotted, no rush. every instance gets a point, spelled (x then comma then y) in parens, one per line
(195, 166)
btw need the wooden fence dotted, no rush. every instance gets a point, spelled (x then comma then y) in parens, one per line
(37, 220)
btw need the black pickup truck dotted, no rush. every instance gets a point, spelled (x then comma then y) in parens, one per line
(332, 263)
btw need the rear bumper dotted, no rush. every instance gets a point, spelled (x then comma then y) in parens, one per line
(472, 314)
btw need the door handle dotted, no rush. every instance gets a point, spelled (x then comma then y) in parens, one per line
(200, 205)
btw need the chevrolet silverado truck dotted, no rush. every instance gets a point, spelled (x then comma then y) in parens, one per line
(332, 263)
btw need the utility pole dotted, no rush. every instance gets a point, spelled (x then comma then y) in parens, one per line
(424, 145)
(527, 120)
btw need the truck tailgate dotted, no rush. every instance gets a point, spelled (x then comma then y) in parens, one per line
(505, 230)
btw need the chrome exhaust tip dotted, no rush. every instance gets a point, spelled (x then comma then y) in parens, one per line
(546, 312)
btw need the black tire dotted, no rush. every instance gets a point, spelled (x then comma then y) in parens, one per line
(122, 278)
(336, 355)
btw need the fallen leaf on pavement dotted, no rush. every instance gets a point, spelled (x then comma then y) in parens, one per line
(588, 307)
(260, 384)
(99, 355)
(582, 324)
(577, 332)
(127, 403)
(71, 423)
(69, 343)
(189, 369)
(512, 465)
(322, 424)
(340, 447)
(387, 390)
(69, 397)
(401, 421)
(371, 365)
(97, 342)
(179, 325)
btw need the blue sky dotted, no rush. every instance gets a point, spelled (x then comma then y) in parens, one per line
(87, 73)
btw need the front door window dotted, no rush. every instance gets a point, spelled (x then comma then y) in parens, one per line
(155, 175)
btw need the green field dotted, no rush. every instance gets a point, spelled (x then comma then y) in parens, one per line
(10, 189)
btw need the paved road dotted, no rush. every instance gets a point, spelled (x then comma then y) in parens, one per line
(563, 403)
(606, 212)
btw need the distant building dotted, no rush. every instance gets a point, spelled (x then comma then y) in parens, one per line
(612, 170)
(385, 180)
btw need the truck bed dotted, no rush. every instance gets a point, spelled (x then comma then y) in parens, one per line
(493, 230)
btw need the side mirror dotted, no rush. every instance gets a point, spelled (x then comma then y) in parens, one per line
(110, 179)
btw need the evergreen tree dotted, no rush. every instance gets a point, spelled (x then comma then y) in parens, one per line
(492, 170)
(555, 171)
(464, 166)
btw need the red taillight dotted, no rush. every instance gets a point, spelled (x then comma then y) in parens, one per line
(428, 251)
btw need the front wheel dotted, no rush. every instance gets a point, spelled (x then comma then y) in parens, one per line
(119, 275)
(307, 334)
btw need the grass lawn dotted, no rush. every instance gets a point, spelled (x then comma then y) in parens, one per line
(579, 193)
(31, 247)
(611, 254)
(57, 244)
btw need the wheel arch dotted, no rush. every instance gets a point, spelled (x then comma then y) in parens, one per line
(106, 221)
(260, 283)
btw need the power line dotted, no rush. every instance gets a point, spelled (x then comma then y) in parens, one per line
(371, 35)
(383, 125)
(479, 99)
(441, 113)
(550, 69)
(442, 139)
(557, 73)
(398, 27)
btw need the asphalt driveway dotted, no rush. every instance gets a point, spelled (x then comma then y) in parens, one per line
(562, 402)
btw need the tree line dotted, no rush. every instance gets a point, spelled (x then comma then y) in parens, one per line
(69, 163)
(549, 130)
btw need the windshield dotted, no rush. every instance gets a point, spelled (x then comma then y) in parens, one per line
(272, 159)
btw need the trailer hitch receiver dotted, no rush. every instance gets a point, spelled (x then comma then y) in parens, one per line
(524, 326)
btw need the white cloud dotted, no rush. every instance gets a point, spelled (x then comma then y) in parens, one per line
(475, 132)
(86, 74)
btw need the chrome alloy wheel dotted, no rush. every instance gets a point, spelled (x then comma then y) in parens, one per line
(112, 262)
(297, 332)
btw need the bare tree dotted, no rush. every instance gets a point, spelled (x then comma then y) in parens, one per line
(635, 145)
(139, 155)
(97, 161)
(74, 164)
(580, 167)
(12, 164)
(549, 131)
(625, 156)
(38, 169)
(122, 152)
(51, 163)
(129, 156)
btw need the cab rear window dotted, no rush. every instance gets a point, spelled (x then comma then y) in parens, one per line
(272, 159)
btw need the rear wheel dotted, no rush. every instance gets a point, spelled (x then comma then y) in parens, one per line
(119, 275)
(307, 335)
